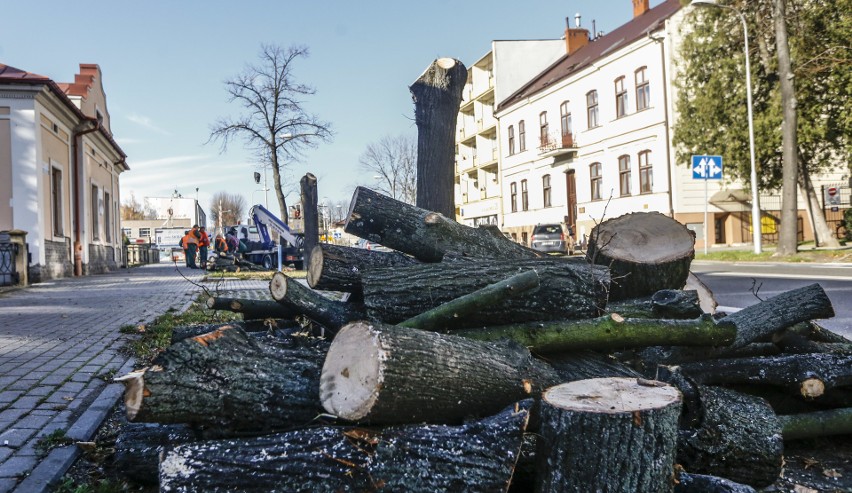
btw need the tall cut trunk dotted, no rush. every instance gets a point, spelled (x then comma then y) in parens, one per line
(310, 215)
(787, 241)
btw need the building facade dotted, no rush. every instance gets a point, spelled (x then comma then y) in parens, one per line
(59, 172)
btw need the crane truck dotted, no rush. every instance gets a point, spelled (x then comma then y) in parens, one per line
(265, 251)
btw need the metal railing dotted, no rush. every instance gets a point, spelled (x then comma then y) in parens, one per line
(8, 252)
(141, 254)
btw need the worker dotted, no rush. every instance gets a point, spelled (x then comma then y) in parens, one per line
(203, 245)
(221, 245)
(190, 246)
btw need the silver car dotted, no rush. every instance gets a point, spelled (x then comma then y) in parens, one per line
(550, 238)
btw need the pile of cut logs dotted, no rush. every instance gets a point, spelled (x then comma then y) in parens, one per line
(463, 361)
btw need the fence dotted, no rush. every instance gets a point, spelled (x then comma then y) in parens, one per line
(141, 254)
(835, 200)
(8, 252)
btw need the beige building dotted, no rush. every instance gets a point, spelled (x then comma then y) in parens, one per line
(59, 172)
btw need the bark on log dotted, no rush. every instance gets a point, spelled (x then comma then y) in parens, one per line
(609, 332)
(423, 234)
(476, 457)
(610, 434)
(252, 309)
(739, 438)
(187, 331)
(649, 357)
(795, 343)
(310, 213)
(339, 268)
(444, 315)
(702, 483)
(386, 374)
(808, 375)
(329, 313)
(646, 252)
(138, 447)
(760, 321)
(817, 424)
(229, 380)
(437, 96)
(568, 290)
(666, 303)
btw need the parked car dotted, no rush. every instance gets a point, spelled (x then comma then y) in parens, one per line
(369, 245)
(551, 238)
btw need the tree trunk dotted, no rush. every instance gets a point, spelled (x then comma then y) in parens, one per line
(475, 457)
(608, 434)
(424, 234)
(739, 438)
(817, 424)
(788, 235)
(138, 447)
(386, 374)
(650, 357)
(646, 252)
(310, 211)
(763, 319)
(702, 483)
(808, 375)
(568, 290)
(823, 235)
(665, 303)
(609, 332)
(329, 313)
(226, 379)
(276, 185)
(251, 309)
(340, 268)
(444, 315)
(437, 96)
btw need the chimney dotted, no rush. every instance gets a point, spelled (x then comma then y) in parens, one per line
(640, 7)
(575, 37)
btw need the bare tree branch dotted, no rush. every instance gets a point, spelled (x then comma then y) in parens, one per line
(392, 161)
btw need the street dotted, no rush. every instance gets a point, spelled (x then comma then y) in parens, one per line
(732, 284)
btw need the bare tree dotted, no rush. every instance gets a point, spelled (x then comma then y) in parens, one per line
(275, 124)
(392, 161)
(227, 208)
(132, 209)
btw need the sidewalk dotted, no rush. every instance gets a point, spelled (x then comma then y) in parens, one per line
(59, 349)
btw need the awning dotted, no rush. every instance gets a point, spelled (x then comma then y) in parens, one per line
(737, 200)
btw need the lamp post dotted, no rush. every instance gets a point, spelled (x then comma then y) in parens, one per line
(755, 203)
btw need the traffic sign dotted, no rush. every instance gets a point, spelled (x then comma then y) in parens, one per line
(833, 198)
(707, 167)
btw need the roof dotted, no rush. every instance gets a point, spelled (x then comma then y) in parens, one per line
(12, 75)
(637, 28)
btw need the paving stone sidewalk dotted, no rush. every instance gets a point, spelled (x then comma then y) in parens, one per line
(59, 348)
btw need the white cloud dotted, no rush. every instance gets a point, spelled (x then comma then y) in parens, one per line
(146, 122)
(167, 161)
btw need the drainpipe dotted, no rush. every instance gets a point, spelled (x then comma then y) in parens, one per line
(661, 41)
(78, 192)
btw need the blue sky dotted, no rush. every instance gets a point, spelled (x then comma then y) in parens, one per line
(164, 62)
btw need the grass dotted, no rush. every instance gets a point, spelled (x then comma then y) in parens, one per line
(69, 485)
(802, 256)
(54, 439)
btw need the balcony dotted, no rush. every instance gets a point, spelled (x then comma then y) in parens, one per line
(557, 145)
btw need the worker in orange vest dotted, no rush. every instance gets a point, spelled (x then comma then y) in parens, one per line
(190, 246)
(203, 245)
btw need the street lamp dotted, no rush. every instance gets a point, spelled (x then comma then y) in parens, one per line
(755, 204)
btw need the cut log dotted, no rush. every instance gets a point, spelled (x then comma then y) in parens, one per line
(739, 438)
(760, 321)
(609, 434)
(251, 309)
(609, 332)
(583, 365)
(568, 290)
(795, 343)
(229, 380)
(444, 315)
(702, 483)
(424, 234)
(386, 374)
(138, 447)
(437, 96)
(475, 457)
(646, 252)
(705, 296)
(329, 313)
(650, 357)
(666, 303)
(186, 331)
(817, 424)
(339, 268)
(310, 215)
(807, 375)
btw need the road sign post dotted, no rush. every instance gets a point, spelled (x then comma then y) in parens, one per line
(706, 168)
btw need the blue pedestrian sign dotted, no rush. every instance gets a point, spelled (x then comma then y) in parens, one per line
(706, 167)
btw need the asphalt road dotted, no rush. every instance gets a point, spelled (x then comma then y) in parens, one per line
(733, 285)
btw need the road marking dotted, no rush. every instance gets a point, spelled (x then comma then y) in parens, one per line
(776, 276)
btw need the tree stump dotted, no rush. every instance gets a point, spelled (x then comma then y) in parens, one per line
(608, 434)
(310, 215)
(646, 252)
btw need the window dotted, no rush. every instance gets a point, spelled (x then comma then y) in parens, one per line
(56, 200)
(643, 90)
(511, 140)
(522, 136)
(620, 98)
(646, 177)
(595, 177)
(107, 216)
(144, 232)
(565, 120)
(525, 196)
(624, 174)
(545, 189)
(543, 129)
(513, 192)
(126, 232)
(524, 238)
(592, 108)
(96, 227)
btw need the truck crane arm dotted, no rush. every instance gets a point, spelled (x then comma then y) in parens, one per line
(266, 221)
